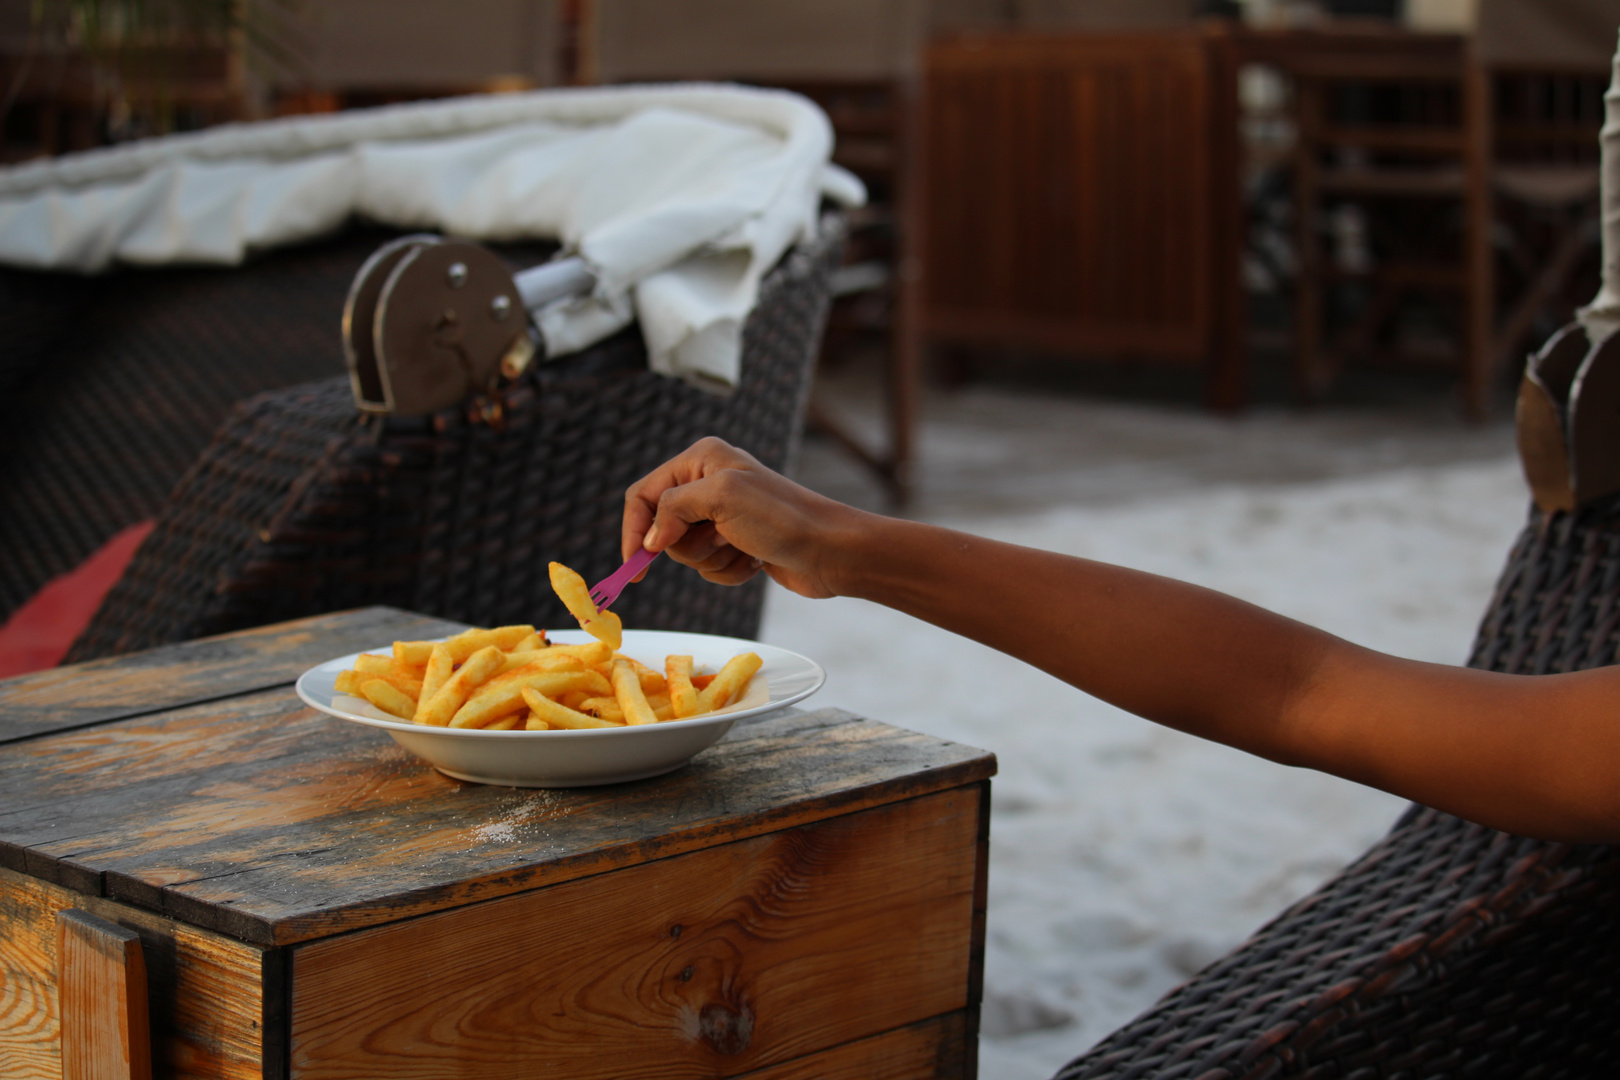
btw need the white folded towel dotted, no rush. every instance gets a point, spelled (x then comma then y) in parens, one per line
(679, 198)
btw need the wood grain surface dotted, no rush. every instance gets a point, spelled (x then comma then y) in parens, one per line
(930, 1050)
(273, 823)
(101, 997)
(208, 1016)
(713, 963)
(187, 795)
(63, 699)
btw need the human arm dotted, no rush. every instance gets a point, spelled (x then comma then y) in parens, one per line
(1539, 756)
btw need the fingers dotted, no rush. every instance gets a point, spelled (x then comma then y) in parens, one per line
(739, 569)
(727, 566)
(716, 509)
(709, 553)
(698, 545)
(679, 510)
(641, 502)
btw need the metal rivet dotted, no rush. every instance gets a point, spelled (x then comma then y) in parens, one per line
(457, 275)
(500, 308)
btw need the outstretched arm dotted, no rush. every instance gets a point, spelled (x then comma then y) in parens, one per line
(1538, 756)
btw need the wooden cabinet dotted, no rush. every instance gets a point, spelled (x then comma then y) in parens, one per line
(1075, 197)
(806, 899)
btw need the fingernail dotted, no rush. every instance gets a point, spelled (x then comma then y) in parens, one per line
(650, 539)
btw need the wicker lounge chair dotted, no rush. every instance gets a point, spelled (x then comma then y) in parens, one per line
(301, 505)
(111, 386)
(1449, 949)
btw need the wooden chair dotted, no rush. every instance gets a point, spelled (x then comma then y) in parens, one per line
(873, 122)
(1450, 154)
(1395, 124)
(1545, 179)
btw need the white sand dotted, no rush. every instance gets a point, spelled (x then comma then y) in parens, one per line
(1125, 857)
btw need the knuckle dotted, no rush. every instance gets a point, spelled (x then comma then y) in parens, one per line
(729, 483)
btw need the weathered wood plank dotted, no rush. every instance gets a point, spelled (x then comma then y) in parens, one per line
(931, 1050)
(208, 1016)
(275, 824)
(101, 995)
(713, 963)
(64, 699)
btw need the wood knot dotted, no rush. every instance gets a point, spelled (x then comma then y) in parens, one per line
(728, 1030)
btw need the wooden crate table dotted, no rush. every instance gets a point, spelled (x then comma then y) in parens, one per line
(805, 899)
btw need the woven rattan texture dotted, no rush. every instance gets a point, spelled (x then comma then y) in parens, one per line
(300, 506)
(37, 311)
(122, 381)
(1449, 950)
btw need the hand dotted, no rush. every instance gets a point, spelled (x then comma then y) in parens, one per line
(718, 510)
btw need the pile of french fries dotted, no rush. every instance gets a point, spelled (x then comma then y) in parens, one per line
(509, 678)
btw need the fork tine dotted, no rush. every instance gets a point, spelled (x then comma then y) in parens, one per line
(606, 591)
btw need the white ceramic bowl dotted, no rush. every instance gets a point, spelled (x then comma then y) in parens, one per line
(550, 759)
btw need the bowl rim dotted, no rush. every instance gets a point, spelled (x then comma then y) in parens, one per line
(817, 674)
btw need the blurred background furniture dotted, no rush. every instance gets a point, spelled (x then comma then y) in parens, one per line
(1547, 66)
(1545, 181)
(75, 74)
(863, 63)
(1072, 198)
(866, 63)
(1391, 155)
(1444, 187)
(858, 61)
(300, 505)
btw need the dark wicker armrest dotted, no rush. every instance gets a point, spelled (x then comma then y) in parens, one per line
(1447, 950)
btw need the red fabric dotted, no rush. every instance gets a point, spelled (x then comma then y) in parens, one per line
(39, 633)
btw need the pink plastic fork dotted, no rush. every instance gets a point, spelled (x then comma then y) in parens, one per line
(606, 591)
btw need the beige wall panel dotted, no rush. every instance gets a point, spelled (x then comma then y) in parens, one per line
(779, 39)
(1549, 33)
(947, 15)
(1442, 16)
(1039, 14)
(356, 44)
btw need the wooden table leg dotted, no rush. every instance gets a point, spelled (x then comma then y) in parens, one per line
(101, 995)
